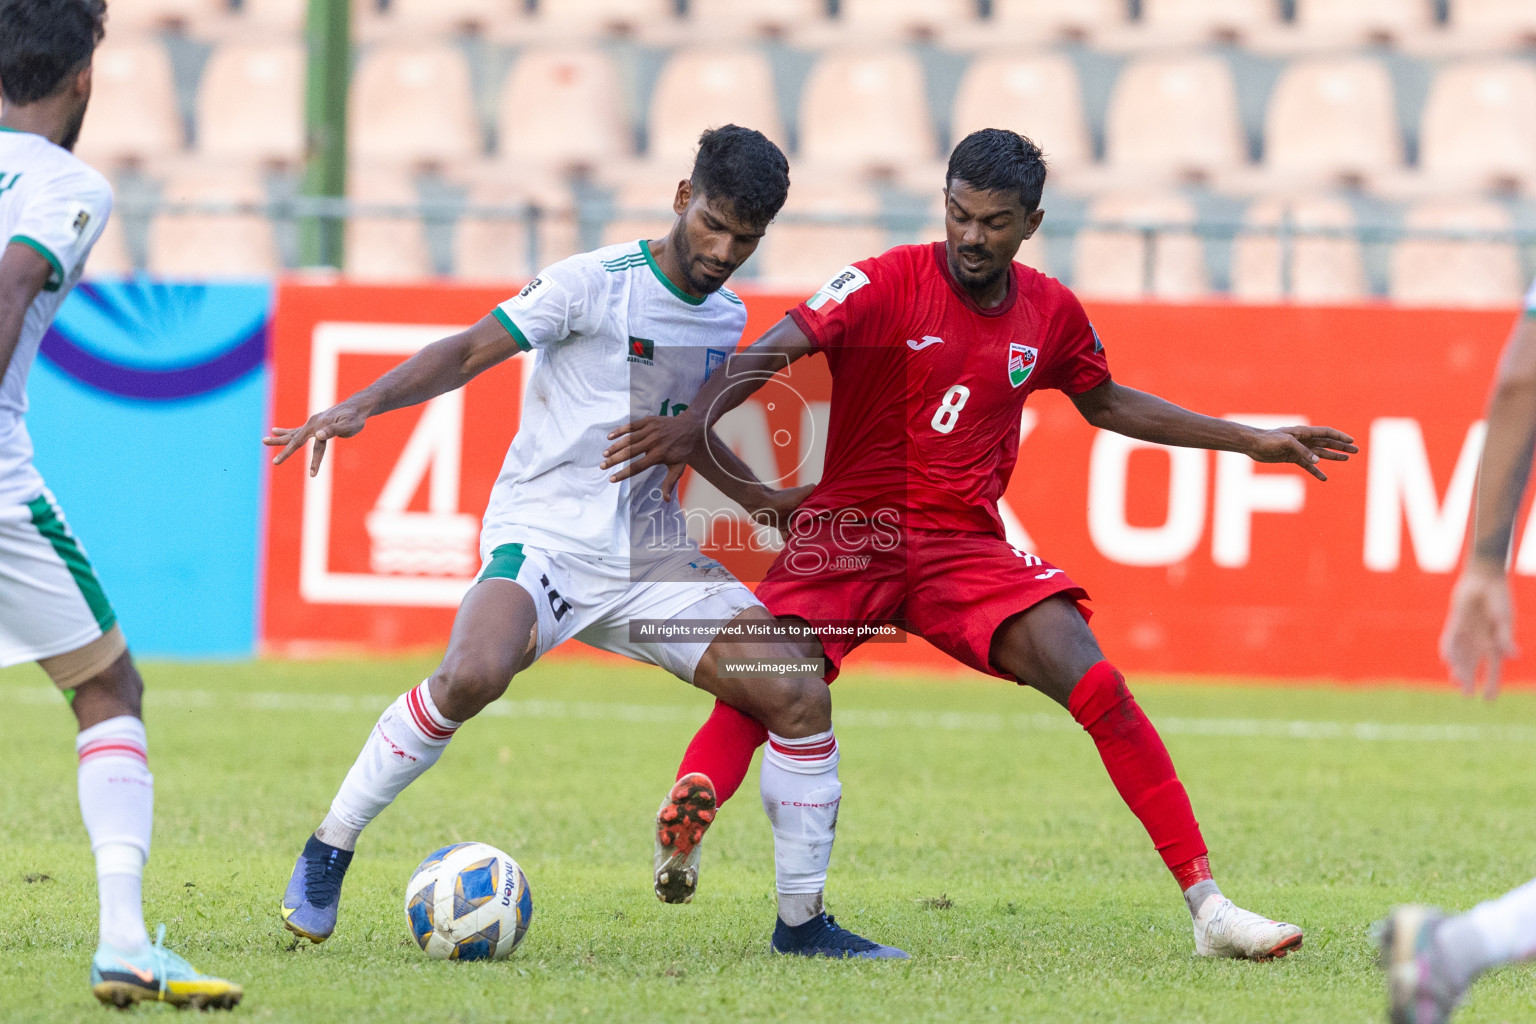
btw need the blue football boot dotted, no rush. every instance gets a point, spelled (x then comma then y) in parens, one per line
(820, 936)
(314, 891)
(155, 974)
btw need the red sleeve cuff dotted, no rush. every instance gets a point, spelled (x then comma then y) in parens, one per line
(797, 314)
(1077, 387)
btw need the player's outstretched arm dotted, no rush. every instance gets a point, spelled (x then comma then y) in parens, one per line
(23, 273)
(1479, 630)
(1110, 406)
(675, 440)
(437, 369)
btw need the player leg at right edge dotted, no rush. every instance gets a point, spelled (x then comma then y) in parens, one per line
(1432, 960)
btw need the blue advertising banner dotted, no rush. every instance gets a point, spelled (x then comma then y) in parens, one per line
(147, 408)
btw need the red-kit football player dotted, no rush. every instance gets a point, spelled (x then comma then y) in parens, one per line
(933, 350)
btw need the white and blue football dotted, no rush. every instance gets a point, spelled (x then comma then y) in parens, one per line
(468, 901)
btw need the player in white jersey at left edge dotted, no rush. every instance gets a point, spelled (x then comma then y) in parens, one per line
(52, 607)
(621, 331)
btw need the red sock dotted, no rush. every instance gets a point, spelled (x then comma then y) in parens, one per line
(1138, 765)
(723, 749)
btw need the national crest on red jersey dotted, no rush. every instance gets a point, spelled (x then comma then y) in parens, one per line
(1021, 362)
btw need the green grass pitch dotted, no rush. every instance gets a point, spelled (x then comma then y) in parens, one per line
(978, 831)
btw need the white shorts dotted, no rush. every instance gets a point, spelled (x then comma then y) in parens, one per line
(594, 600)
(51, 602)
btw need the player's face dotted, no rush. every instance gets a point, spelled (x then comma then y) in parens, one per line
(984, 231)
(712, 242)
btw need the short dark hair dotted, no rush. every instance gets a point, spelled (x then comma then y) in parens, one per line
(742, 167)
(997, 160)
(42, 42)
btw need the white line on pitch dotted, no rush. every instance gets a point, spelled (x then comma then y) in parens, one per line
(859, 718)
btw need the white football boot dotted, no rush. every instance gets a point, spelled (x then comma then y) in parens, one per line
(1222, 928)
(681, 822)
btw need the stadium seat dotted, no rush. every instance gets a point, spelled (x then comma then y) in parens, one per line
(866, 18)
(1363, 20)
(800, 256)
(413, 103)
(743, 17)
(211, 244)
(1222, 19)
(1038, 96)
(379, 247)
(1479, 126)
(1321, 270)
(277, 16)
(1455, 272)
(250, 104)
(1332, 117)
(1501, 21)
(562, 108)
(133, 115)
(1175, 115)
(866, 110)
(131, 16)
(644, 206)
(705, 88)
(410, 18)
(1113, 263)
(563, 18)
(499, 250)
(1042, 19)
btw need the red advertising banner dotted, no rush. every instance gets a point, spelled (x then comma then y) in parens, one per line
(1198, 562)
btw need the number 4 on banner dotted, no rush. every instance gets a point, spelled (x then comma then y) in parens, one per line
(440, 541)
(423, 559)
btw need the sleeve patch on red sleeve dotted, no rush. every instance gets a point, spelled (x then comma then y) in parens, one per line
(843, 284)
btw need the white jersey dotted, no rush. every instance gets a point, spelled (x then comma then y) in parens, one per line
(1530, 299)
(615, 341)
(53, 202)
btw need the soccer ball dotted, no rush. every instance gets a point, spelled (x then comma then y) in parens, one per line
(468, 901)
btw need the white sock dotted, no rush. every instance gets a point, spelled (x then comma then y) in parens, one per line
(801, 793)
(1499, 931)
(407, 739)
(117, 803)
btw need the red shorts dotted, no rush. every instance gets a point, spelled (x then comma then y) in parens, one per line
(952, 589)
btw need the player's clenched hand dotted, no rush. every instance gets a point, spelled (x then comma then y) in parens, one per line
(653, 441)
(778, 506)
(1304, 446)
(1479, 631)
(342, 420)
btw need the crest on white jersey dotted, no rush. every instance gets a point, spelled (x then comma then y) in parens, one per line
(843, 284)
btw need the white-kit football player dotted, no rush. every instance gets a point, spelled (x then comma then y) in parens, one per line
(567, 552)
(52, 607)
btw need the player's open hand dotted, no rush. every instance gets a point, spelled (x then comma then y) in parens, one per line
(342, 420)
(1305, 446)
(652, 441)
(1479, 631)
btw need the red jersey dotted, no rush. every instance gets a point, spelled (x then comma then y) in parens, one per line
(928, 388)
